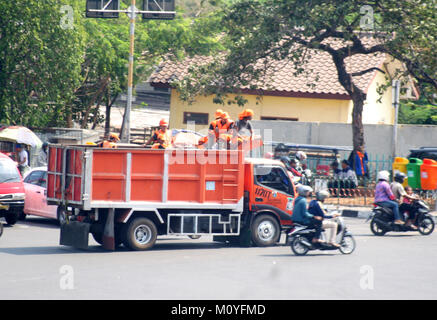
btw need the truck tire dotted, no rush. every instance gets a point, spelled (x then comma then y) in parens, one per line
(139, 234)
(22, 215)
(1, 229)
(265, 231)
(11, 217)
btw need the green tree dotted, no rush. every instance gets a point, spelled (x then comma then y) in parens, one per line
(40, 57)
(420, 112)
(259, 31)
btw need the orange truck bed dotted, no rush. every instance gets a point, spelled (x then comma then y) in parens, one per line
(89, 177)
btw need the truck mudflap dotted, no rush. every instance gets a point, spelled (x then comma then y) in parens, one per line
(75, 234)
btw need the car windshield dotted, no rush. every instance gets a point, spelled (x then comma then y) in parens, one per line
(8, 171)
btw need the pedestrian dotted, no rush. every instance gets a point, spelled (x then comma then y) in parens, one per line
(358, 160)
(42, 155)
(347, 176)
(22, 159)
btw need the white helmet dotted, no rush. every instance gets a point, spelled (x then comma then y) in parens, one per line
(300, 155)
(304, 190)
(322, 195)
(383, 175)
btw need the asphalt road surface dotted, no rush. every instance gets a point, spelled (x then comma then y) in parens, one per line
(34, 266)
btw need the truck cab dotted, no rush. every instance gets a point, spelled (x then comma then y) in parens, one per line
(11, 190)
(271, 194)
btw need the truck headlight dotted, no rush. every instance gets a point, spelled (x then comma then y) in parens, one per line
(18, 196)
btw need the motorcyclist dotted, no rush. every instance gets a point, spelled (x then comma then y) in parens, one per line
(290, 164)
(316, 209)
(301, 214)
(385, 197)
(399, 192)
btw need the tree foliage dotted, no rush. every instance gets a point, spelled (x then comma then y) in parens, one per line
(259, 31)
(420, 112)
(56, 75)
(39, 62)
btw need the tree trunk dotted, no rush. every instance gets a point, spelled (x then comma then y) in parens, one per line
(357, 120)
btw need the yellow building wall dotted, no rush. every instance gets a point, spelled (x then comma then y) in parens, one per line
(304, 109)
(375, 112)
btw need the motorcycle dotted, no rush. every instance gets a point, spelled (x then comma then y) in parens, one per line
(382, 220)
(300, 239)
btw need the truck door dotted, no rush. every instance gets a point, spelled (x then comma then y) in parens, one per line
(274, 191)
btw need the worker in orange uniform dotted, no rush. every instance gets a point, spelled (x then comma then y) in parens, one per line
(111, 142)
(161, 139)
(243, 130)
(220, 131)
(243, 127)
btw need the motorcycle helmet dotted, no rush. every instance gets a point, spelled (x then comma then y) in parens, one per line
(269, 155)
(383, 175)
(300, 155)
(286, 161)
(322, 195)
(304, 191)
(400, 177)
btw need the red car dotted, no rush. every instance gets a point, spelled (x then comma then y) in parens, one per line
(11, 190)
(35, 184)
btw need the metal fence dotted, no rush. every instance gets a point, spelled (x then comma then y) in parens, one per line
(347, 193)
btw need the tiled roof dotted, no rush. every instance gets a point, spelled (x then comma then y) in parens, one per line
(281, 77)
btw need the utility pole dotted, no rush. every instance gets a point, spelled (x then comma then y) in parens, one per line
(125, 134)
(396, 88)
(152, 9)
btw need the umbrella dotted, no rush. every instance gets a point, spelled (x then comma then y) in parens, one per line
(20, 134)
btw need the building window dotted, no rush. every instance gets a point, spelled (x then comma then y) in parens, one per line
(279, 118)
(196, 117)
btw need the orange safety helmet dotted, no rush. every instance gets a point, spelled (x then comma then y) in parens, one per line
(114, 136)
(218, 114)
(163, 123)
(225, 116)
(245, 114)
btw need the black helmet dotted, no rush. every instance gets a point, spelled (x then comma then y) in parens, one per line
(400, 177)
(286, 161)
(281, 148)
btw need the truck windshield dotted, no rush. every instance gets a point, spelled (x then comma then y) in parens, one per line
(8, 171)
(274, 178)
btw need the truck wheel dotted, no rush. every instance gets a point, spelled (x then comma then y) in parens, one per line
(11, 218)
(1, 229)
(139, 234)
(265, 231)
(22, 215)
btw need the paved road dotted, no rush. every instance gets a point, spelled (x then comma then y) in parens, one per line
(404, 266)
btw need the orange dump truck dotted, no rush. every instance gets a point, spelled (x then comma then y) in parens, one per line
(132, 195)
